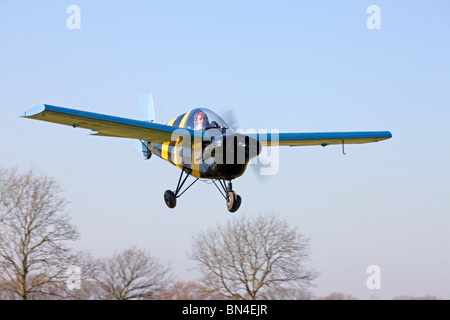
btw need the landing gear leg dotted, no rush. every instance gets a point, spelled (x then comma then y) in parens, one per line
(170, 197)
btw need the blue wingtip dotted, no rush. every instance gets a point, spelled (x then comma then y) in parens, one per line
(33, 111)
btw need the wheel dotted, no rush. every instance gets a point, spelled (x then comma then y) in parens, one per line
(233, 201)
(170, 199)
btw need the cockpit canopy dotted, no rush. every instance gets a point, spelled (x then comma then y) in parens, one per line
(199, 119)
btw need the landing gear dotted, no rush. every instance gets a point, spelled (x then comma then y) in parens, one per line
(233, 200)
(170, 197)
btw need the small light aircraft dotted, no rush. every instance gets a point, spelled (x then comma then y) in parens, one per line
(199, 142)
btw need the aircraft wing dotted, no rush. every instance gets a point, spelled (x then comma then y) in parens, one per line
(105, 125)
(321, 138)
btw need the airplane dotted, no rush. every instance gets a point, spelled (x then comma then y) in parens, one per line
(199, 142)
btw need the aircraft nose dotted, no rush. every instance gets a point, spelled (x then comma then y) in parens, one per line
(233, 148)
(252, 147)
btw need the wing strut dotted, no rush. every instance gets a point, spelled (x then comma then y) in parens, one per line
(179, 186)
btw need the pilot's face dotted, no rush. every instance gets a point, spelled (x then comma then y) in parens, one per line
(200, 121)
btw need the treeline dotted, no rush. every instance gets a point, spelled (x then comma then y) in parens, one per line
(247, 258)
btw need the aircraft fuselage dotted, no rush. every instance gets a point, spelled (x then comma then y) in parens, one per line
(225, 156)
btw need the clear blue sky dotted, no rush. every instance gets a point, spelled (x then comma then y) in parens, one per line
(290, 65)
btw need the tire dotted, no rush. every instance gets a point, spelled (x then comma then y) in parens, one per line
(238, 202)
(170, 199)
(233, 201)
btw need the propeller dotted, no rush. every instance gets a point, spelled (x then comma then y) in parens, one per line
(262, 163)
(229, 116)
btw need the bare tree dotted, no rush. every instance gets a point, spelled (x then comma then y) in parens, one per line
(8, 200)
(190, 290)
(249, 256)
(286, 293)
(34, 230)
(338, 296)
(409, 297)
(80, 283)
(132, 274)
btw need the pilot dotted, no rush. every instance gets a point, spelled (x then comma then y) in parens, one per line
(200, 121)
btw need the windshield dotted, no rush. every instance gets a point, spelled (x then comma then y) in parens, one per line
(203, 118)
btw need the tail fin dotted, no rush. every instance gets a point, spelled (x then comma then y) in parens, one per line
(146, 109)
(146, 112)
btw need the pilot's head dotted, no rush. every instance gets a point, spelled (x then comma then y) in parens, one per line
(200, 120)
